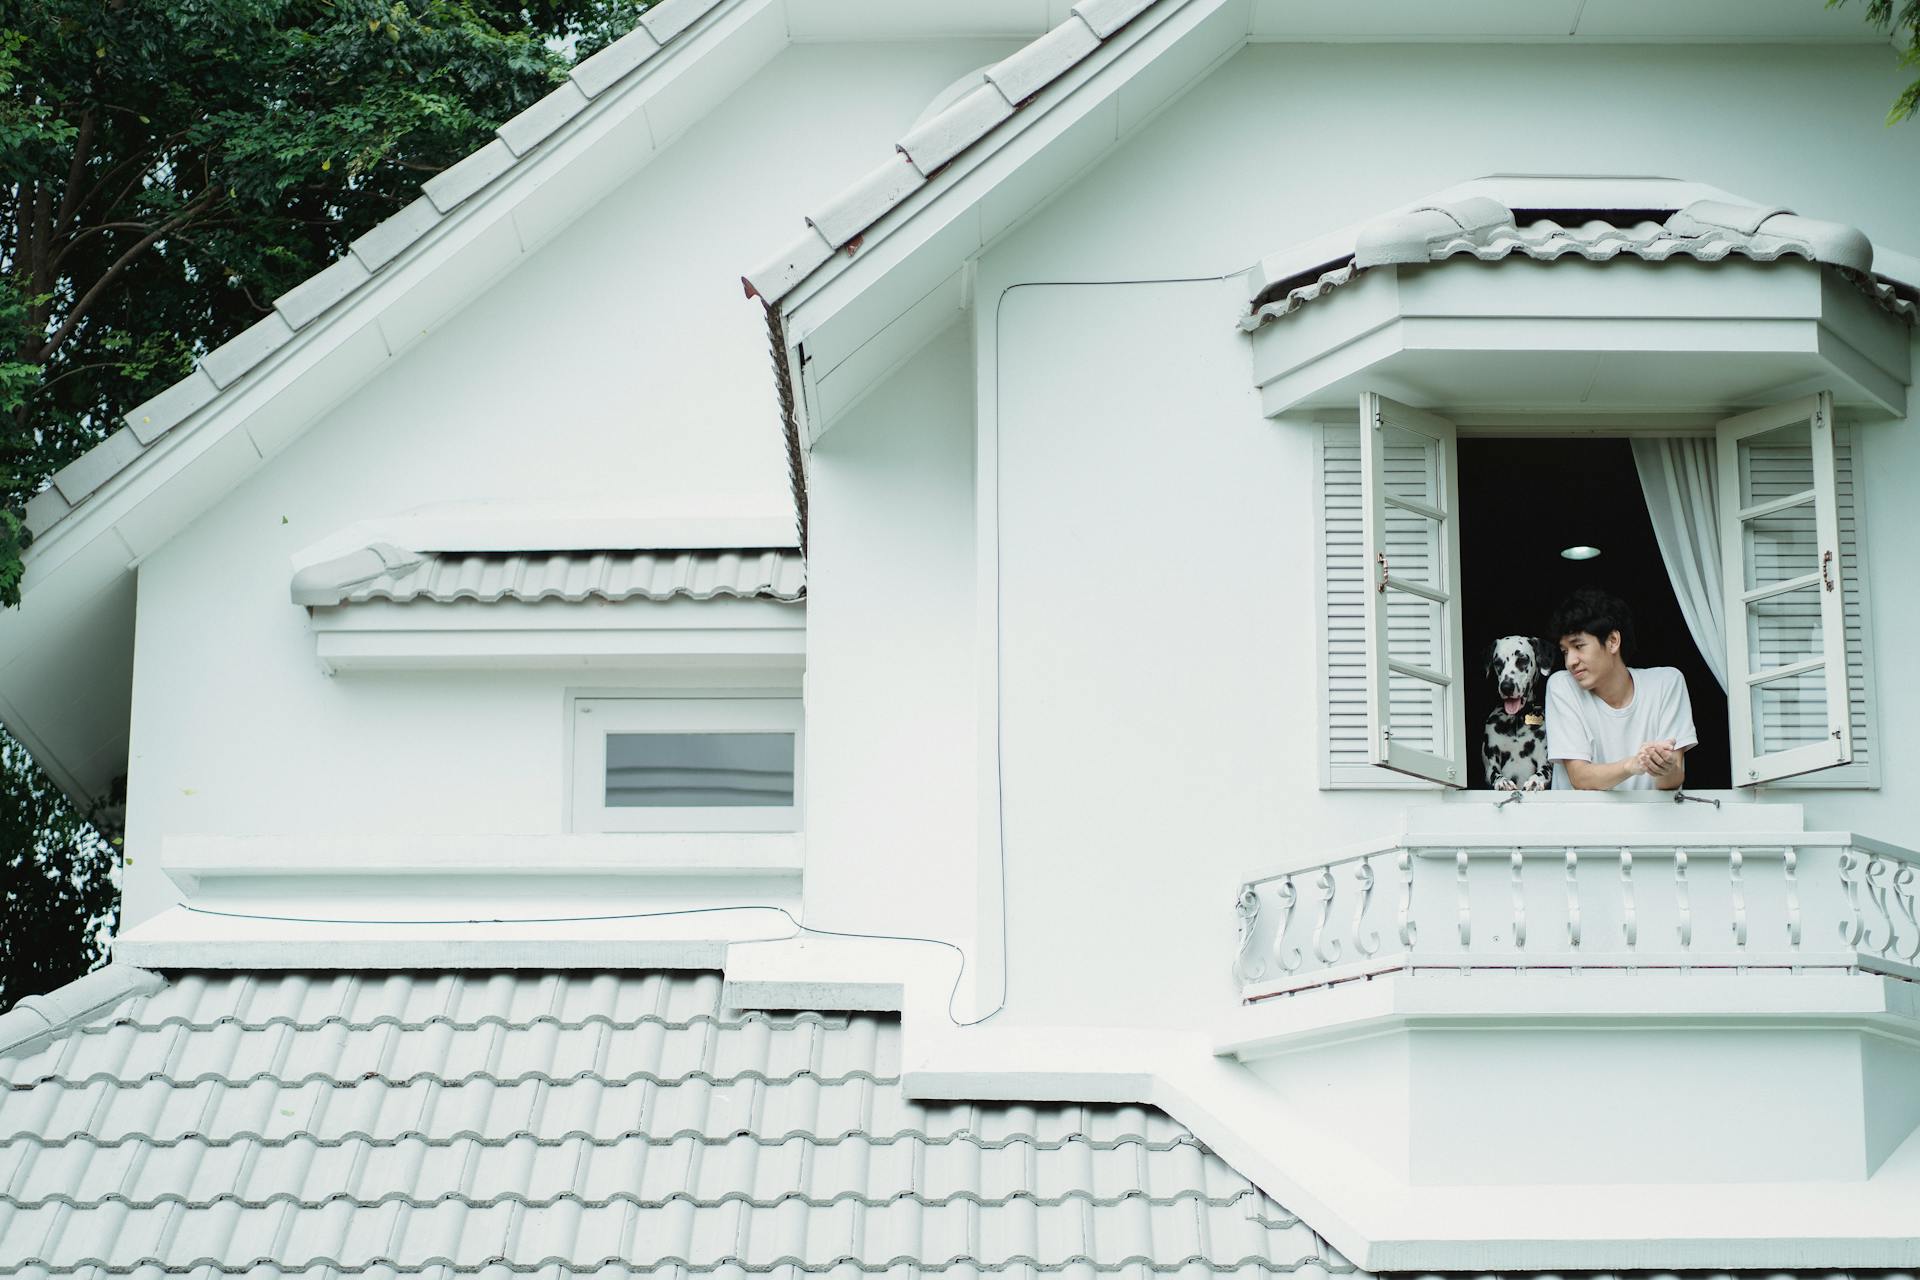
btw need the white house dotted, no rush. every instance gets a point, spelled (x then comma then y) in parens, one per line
(994, 790)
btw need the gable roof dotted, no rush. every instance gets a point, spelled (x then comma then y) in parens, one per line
(617, 1123)
(373, 255)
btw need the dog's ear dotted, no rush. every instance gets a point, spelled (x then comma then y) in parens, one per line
(1488, 657)
(1544, 657)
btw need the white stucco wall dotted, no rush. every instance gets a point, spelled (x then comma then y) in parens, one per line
(1155, 535)
(1156, 594)
(621, 360)
(891, 710)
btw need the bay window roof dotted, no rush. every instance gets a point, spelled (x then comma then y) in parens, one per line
(1476, 305)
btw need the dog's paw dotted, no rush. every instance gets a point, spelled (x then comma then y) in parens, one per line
(1504, 784)
(1538, 782)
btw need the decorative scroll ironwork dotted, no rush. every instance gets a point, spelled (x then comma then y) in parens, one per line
(1683, 899)
(1573, 897)
(1628, 924)
(1365, 941)
(1518, 871)
(1790, 872)
(1877, 878)
(1904, 881)
(1288, 897)
(1408, 931)
(1767, 914)
(1854, 925)
(1325, 946)
(1246, 966)
(1736, 883)
(1466, 902)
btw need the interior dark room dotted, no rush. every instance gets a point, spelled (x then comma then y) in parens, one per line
(1522, 503)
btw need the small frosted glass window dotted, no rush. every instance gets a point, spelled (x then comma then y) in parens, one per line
(699, 770)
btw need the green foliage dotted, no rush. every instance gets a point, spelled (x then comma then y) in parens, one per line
(169, 167)
(59, 883)
(1905, 29)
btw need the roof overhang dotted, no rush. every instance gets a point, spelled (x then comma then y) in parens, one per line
(530, 585)
(66, 654)
(882, 269)
(1460, 304)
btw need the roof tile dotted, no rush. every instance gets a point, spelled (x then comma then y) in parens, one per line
(1482, 229)
(669, 18)
(448, 188)
(44, 509)
(863, 204)
(96, 466)
(154, 418)
(386, 1124)
(385, 572)
(304, 303)
(235, 358)
(935, 142)
(1038, 64)
(807, 253)
(1108, 16)
(388, 240)
(599, 73)
(534, 125)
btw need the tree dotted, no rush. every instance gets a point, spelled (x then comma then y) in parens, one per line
(1905, 31)
(59, 883)
(168, 168)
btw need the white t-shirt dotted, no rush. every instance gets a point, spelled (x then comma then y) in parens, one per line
(1581, 726)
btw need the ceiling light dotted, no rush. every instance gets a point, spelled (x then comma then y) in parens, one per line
(1579, 553)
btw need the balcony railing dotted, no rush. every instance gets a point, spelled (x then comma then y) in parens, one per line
(1764, 900)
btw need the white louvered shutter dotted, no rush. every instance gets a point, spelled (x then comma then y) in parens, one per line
(1411, 548)
(1346, 759)
(1790, 708)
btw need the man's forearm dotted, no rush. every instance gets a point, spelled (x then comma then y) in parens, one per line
(1588, 775)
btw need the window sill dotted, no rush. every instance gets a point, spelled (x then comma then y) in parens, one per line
(388, 878)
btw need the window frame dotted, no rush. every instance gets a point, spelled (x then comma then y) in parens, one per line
(1825, 581)
(1329, 427)
(591, 718)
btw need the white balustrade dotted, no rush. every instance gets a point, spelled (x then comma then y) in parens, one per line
(1762, 900)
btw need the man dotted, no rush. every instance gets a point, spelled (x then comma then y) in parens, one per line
(1611, 726)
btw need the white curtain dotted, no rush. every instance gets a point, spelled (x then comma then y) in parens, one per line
(1678, 476)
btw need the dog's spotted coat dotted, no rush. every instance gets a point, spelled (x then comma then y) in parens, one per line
(1514, 748)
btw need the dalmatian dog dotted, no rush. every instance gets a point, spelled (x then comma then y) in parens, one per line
(1515, 745)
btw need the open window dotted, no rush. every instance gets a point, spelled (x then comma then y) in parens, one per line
(1786, 627)
(1404, 501)
(1410, 493)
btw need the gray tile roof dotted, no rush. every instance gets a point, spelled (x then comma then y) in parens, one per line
(1485, 230)
(934, 142)
(385, 572)
(611, 1122)
(297, 309)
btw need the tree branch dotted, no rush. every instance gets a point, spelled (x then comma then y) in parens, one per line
(113, 272)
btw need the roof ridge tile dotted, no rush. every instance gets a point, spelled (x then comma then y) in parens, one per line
(1039, 63)
(933, 143)
(595, 75)
(459, 182)
(1079, 1195)
(362, 1137)
(36, 1020)
(669, 18)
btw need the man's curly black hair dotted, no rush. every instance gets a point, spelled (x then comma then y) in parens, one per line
(1596, 612)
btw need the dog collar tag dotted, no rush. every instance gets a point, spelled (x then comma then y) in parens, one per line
(1533, 718)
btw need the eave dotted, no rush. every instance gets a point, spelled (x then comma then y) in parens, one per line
(185, 449)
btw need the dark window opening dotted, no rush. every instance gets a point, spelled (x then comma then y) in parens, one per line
(1521, 503)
